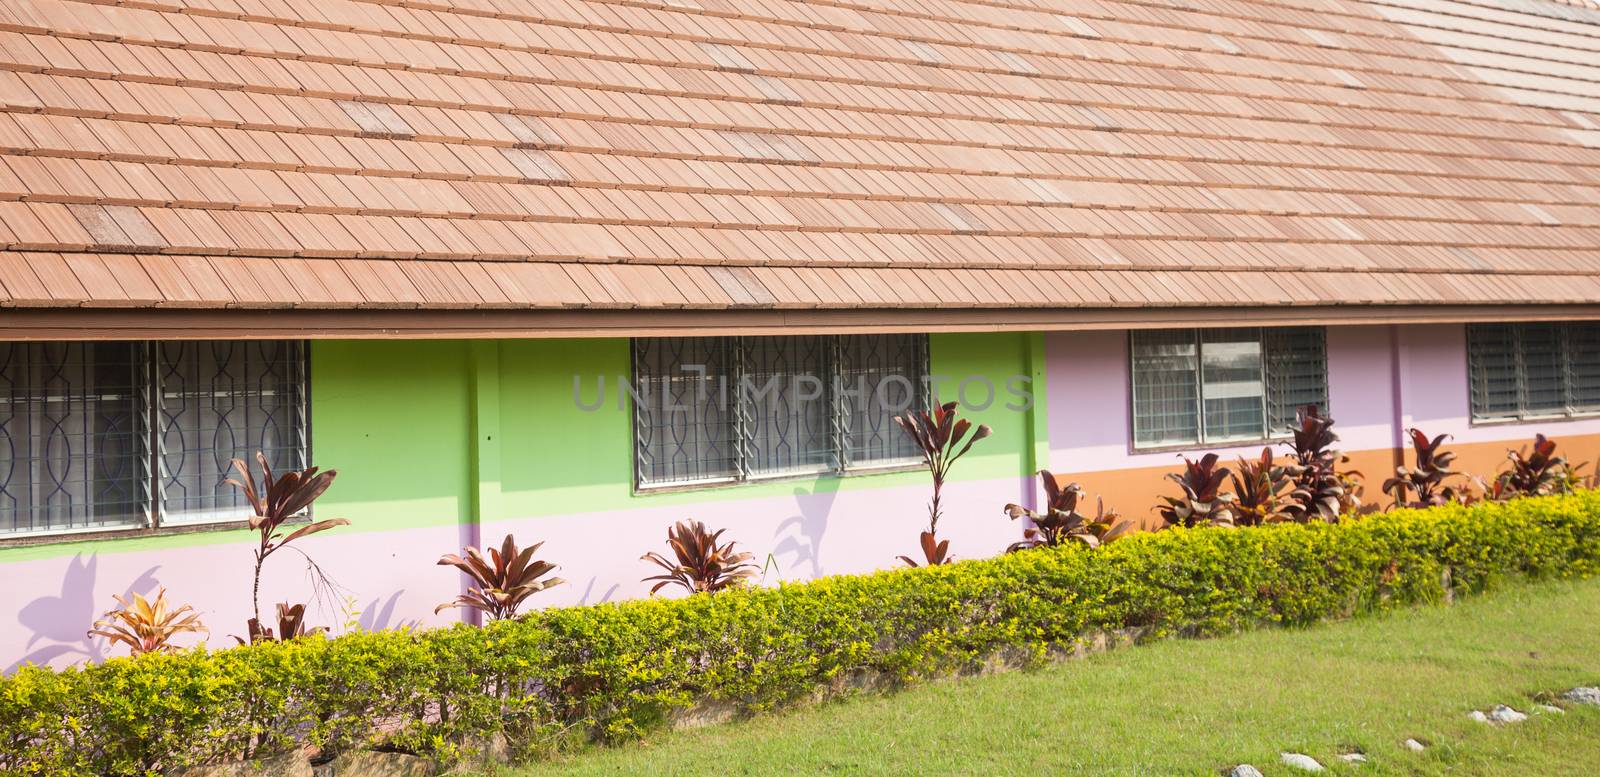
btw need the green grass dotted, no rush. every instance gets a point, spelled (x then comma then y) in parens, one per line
(1198, 706)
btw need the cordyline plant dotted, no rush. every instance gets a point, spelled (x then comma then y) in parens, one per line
(1265, 492)
(1061, 522)
(1425, 485)
(502, 581)
(1202, 503)
(147, 625)
(943, 439)
(291, 625)
(1535, 472)
(275, 502)
(1322, 490)
(701, 565)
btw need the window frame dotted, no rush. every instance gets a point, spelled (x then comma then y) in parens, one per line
(1267, 390)
(840, 466)
(1522, 414)
(146, 385)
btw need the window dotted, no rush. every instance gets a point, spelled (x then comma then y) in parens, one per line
(1224, 385)
(103, 436)
(723, 409)
(1521, 371)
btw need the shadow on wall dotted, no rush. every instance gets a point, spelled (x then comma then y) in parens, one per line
(801, 534)
(62, 622)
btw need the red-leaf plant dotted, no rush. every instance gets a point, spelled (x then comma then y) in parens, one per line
(501, 582)
(1061, 522)
(1266, 492)
(701, 565)
(1535, 473)
(943, 438)
(1202, 503)
(291, 625)
(1425, 485)
(277, 501)
(1325, 491)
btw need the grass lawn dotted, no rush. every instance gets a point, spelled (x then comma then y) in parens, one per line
(1197, 706)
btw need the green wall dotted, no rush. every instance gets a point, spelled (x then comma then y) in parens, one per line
(399, 418)
(405, 411)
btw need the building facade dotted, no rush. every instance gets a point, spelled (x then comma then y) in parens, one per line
(498, 262)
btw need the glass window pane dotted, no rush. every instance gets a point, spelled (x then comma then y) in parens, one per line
(1583, 367)
(1231, 384)
(1492, 362)
(683, 418)
(1297, 374)
(1165, 394)
(786, 403)
(71, 437)
(1542, 380)
(880, 376)
(221, 400)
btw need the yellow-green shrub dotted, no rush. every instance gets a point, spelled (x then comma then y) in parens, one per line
(611, 671)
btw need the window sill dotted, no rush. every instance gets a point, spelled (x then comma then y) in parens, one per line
(1532, 419)
(787, 477)
(1205, 447)
(96, 535)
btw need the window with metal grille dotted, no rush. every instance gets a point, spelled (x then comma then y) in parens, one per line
(1195, 386)
(722, 409)
(1521, 371)
(104, 436)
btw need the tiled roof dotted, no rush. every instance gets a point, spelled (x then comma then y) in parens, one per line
(909, 154)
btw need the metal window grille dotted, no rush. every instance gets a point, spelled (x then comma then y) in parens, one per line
(1297, 374)
(218, 401)
(1223, 385)
(721, 409)
(99, 436)
(71, 429)
(1522, 371)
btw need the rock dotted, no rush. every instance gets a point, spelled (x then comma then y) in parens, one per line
(369, 763)
(1353, 758)
(1551, 709)
(1478, 716)
(1503, 714)
(1244, 770)
(1581, 695)
(283, 765)
(1301, 761)
(1413, 745)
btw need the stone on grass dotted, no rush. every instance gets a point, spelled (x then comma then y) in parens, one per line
(1551, 709)
(1244, 770)
(1581, 695)
(1478, 716)
(1301, 761)
(1354, 758)
(1503, 714)
(1414, 746)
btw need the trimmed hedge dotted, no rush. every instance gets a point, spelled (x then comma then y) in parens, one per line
(613, 671)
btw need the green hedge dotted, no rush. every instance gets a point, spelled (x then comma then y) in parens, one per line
(612, 671)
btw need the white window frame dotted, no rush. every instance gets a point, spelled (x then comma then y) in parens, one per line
(1270, 386)
(1570, 362)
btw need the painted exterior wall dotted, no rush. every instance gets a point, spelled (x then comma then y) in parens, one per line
(1381, 381)
(442, 444)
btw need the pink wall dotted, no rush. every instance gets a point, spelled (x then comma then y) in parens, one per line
(394, 581)
(1090, 421)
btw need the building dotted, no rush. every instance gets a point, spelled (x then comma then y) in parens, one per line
(393, 239)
